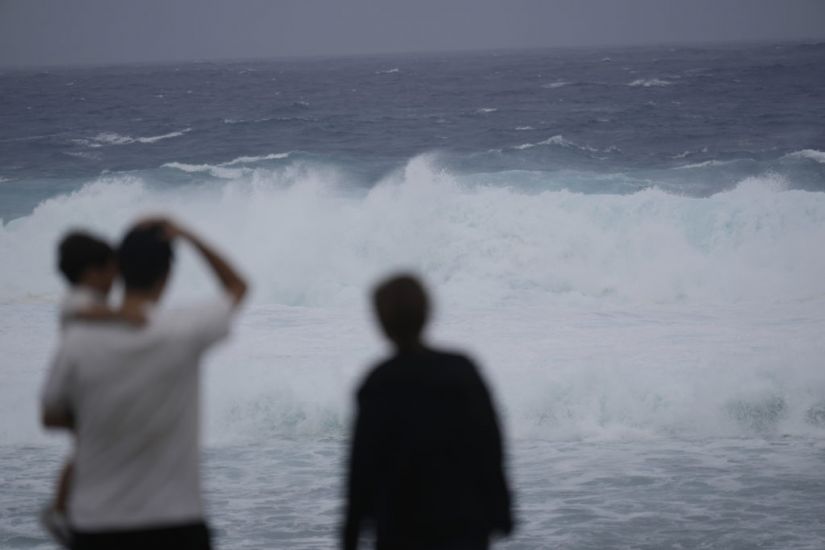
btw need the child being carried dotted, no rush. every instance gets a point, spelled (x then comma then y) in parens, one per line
(89, 265)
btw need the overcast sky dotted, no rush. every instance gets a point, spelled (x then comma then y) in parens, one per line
(57, 32)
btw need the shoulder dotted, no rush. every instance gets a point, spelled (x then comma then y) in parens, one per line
(77, 299)
(454, 361)
(205, 321)
(376, 376)
(191, 314)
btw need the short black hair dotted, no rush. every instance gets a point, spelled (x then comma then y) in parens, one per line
(402, 307)
(145, 257)
(79, 251)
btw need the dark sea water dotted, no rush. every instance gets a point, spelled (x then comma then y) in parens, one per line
(566, 118)
(630, 241)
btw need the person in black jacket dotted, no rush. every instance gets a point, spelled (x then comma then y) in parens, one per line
(426, 464)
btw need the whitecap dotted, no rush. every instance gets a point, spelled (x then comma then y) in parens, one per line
(554, 140)
(810, 154)
(394, 70)
(249, 160)
(524, 128)
(222, 169)
(485, 110)
(560, 141)
(217, 171)
(86, 155)
(154, 139)
(705, 164)
(650, 82)
(556, 84)
(112, 138)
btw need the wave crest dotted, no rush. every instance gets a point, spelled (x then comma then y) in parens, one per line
(811, 154)
(309, 239)
(112, 138)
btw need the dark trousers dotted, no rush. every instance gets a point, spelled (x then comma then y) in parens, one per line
(194, 536)
(473, 542)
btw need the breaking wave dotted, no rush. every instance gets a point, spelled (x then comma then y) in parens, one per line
(561, 141)
(811, 154)
(223, 170)
(296, 225)
(111, 138)
(698, 315)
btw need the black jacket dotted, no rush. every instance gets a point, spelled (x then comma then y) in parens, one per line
(426, 459)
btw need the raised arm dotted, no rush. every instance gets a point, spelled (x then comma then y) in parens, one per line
(229, 278)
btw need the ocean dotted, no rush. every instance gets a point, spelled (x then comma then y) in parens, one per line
(628, 240)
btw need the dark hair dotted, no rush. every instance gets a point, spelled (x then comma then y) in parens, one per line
(145, 256)
(402, 307)
(79, 251)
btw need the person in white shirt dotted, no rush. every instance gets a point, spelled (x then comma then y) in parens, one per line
(131, 396)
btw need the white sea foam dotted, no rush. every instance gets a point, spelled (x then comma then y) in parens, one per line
(648, 246)
(554, 140)
(524, 128)
(704, 164)
(250, 160)
(485, 110)
(811, 154)
(595, 316)
(112, 138)
(560, 141)
(223, 169)
(649, 82)
(217, 171)
(554, 85)
(389, 71)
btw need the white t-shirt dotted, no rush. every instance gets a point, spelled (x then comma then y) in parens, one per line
(133, 394)
(78, 299)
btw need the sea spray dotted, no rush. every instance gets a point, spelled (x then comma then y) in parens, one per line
(306, 238)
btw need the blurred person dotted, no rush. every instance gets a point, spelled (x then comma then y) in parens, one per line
(89, 266)
(131, 396)
(426, 464)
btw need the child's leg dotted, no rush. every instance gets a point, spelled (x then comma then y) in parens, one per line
(64, 483)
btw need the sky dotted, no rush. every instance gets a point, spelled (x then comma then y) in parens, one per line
(69, 32)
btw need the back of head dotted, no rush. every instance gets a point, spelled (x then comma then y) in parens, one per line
(145, 257)
(402, 307)
(79, 252)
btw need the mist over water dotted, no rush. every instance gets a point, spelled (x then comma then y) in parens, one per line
(627, 241)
